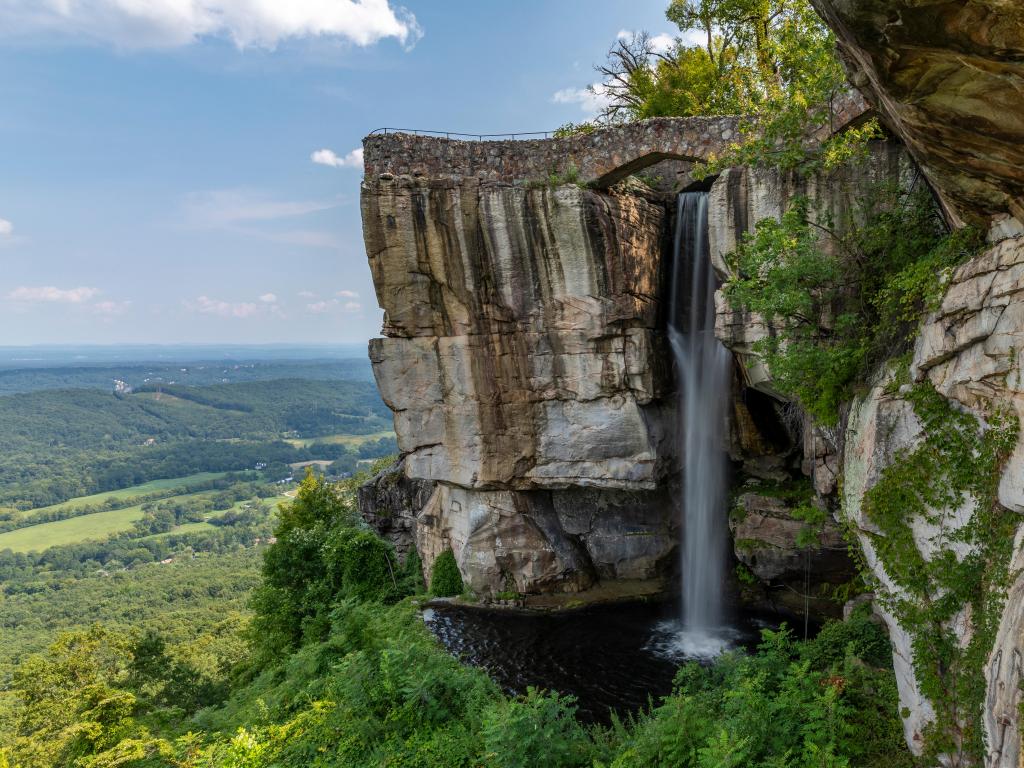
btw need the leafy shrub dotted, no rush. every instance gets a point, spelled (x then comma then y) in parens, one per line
(844, 296)
(536, 729)
(446, 581)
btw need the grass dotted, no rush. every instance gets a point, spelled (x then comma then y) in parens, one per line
(98, 525)
(352, 441)
(184, 528)
(153, 486)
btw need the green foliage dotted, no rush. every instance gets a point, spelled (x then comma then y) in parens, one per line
(340, 675)
(790, 704)
(445, 580)
(846, 295)
(63, 444)
(568, 130)
(198, 592)
(322, 553)
(771, 61)
(535, 729)
(959, 462)
(569, 175)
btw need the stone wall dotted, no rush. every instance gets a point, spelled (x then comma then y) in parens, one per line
(602, 158)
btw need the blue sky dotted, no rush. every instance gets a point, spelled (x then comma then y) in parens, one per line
(156, 174)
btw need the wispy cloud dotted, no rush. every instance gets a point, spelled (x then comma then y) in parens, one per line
(204, 305)
(348, 294)
(269, 298)
(592, 99)
(131, 24)
(353, 159)
(52, 294)
(111, 308)
(6, 228)
(334, 305)
(319, 307)
(231, 207)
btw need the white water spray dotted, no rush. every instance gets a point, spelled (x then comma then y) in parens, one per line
(703, 367)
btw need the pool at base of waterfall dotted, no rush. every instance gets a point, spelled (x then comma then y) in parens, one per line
(609, 657)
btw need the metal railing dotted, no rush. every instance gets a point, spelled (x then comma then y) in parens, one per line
(462, 136)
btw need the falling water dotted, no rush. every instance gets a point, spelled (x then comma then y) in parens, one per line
(703, 366)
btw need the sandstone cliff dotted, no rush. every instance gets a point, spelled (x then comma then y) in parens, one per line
(947, 77)
(525, 369)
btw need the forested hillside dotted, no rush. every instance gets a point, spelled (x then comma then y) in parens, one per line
(66, 443)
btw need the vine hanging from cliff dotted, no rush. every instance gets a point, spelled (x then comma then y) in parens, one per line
(956, 466)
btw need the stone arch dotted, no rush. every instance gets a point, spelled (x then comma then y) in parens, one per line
(622, 171)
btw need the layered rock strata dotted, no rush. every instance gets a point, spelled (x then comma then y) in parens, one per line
(523, 363)
(968, 350)
(947, 76)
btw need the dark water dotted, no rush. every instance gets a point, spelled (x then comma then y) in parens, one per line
(608, 657)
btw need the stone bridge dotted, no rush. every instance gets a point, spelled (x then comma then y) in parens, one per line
(600, 158)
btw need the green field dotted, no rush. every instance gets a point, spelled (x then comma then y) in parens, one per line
(184, 528)
(352, 441)
(36, 538)
(98, 525)
(146, 489)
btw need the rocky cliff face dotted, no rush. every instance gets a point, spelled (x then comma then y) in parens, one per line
(947, 77)
(968, 351)
(524, 366)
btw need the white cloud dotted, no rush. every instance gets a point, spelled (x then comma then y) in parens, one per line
(319, 307)
(348, 294)
(6, 228)
(353, 159)
(50, 293)
(136, 24)
(660, 43)
(111, 308)
(307, 294)
(207, 306)
(230, 207)
(329, 305)
(268, 298)
(592, 99)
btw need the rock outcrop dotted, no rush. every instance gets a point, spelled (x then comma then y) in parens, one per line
(741, 197)
(390, 503)
(514, 318)
(968, 350)
(523, 362)
(947, 76)
(798, 558)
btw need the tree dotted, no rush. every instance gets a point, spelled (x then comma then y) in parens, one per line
(772, 62)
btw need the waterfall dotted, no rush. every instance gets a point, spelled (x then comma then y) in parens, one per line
(704, 368)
